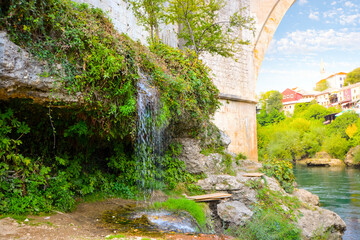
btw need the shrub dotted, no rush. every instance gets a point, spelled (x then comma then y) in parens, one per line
(336, 146)
(281, 170)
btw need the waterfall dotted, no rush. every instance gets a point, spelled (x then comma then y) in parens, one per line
(149, 145)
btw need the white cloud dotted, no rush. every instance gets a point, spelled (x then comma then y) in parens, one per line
(310, 41)
(349, 4)
(333, 3)
(330, 14)
(314, 15)
(303, 2)
(349, 19)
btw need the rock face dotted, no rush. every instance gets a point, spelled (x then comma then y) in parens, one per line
(349, 160)
(234, 212)
(20, 75)
(322, 159)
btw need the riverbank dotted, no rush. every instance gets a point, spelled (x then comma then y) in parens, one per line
(338, 189)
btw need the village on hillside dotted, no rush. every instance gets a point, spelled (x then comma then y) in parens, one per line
(336, 94)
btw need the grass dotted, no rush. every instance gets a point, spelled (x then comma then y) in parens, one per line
(196, 210)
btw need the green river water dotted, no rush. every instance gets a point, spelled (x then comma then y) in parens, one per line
(339, 191)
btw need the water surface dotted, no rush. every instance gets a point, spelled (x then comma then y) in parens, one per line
(339, 191)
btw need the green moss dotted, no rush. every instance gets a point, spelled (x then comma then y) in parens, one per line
(194, 209)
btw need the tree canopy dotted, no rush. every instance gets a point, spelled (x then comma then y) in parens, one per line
(322, 86)
(353, 77)
(199, 23)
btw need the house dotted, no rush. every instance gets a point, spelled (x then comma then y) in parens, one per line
(335, 81)
(290, 95)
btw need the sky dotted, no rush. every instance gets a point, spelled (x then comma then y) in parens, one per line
(312, 30)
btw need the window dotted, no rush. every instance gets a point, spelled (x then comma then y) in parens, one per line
(340, 85)
(292, 95)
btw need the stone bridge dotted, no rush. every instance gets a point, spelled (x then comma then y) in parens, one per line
(236, 80)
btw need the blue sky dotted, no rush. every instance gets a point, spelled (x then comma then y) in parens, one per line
(311, 30)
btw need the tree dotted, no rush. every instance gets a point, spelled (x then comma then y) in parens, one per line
(203, 31)
(323, 85)
(274, 102)
(353, 77)
(273, 98)
(150, 14)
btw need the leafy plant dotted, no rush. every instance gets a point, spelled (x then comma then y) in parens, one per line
(282, 171)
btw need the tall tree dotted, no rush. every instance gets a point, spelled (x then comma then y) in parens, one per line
(353, 77)
(203, 31)
(150, 14)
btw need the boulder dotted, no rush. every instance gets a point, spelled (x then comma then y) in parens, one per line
(191, 156)
(319, 222)
(225, 140)
(234, 212)
(349, 160)
(306, 196)
(220, 183)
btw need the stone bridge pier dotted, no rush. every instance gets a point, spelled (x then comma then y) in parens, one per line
(236, 80)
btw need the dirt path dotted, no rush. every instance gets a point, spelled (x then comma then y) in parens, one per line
(83, 223)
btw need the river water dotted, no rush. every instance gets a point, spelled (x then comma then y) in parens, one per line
(339, 191)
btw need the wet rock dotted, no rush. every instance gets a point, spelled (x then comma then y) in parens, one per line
(349, 160)
(234, 212)
(317, 222)
(306, 196)
(191, 156)
(20, 75)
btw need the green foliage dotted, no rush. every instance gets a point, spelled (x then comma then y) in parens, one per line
(202, 30)
(357, 157)
(264, 118)
(271, 100)
(323, 85)
(88, 56)
(274, 216)
(353, 77)
(194, 209)
(342, 122)
(82, 151)
(282, 171)
(149, 13)
(25, 184)
(265, 226)
(175, 169)
(336, 146)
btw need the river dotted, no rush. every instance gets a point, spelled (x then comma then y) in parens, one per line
(338, 190)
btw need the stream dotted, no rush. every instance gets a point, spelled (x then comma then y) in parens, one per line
(338, 189)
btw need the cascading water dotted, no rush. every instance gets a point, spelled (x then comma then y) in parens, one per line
(149, 146)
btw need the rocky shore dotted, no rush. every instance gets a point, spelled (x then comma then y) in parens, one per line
(237, 210)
